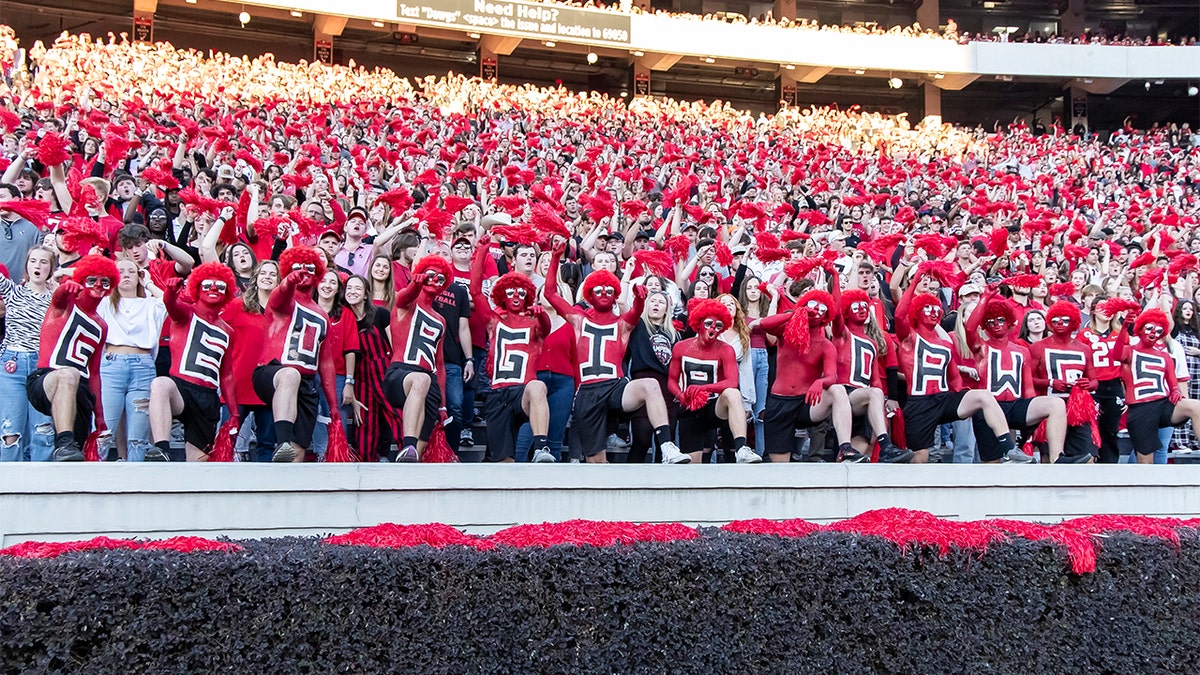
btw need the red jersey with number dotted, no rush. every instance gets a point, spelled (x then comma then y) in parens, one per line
(71, 341)
(925, 364)
(198, 348)
(1103, 365)
(1067, 363)
(858, 363)
(418, 334)
(296, 341)
(600, 350)
(1149, 375)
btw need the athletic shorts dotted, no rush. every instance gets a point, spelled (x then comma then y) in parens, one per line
(589, 418)
(306, 400)
(504, 416)
(1016, 413)
(1143, 420)
(85, 402)
(695, 426)
(201, 413)
(923, 414)
(393, 390)
(781, 417)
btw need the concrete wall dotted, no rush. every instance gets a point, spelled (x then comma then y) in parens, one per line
(56, 502)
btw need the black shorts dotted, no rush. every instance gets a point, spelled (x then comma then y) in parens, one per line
(393, 390)
(201, 413)
(781, 417)
(923, 414)
(1143, 420)
(695, 426)
(306, 400)
(589, 418)
(1016, 413)
(504, 416)
(85, 402)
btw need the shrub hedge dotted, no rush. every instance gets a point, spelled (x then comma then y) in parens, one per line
(722, 602)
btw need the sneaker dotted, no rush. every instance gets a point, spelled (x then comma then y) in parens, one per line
(466, 439)
(155, 454)
(672, 455)
(67, 452)
(543, 456)
(284, 452)
(890, 454)
(852, 456)
(1085, 458)
(617, 443)
(408, 455)
(745, 455)
(1016, 456)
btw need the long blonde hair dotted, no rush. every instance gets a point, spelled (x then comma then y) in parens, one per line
(665, 324)
(739, 323)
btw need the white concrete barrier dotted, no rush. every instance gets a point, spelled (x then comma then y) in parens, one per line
(63, 502)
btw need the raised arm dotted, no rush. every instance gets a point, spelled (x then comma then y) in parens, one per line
(976, 320)
(476, 287)
(550, 289)
(178, 309)
(900, 320)
(283, 298)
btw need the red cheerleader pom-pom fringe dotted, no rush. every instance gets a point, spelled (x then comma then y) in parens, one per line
(91, 447)
(1081, 410)
(339, 449)
(438, 451)
(694, 398)
(222, 450)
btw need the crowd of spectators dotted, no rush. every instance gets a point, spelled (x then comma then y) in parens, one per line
(301, 235)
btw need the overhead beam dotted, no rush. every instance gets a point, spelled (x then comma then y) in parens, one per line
(499, 44)
(809, 74)
(1095, 85)
(954, 81)
(659, 62)
(145, 6)
(325, 24)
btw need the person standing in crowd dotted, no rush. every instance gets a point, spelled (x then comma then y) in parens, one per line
(374, 420)
(246, 317)
(342, 346)
(25, 433)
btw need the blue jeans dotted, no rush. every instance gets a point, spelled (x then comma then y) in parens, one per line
(320, 440)
(452, 398)
(261, 422)
(477, 383)
(761, 366)
(560, 395)
(34, 431)
(966, 451)
(125, 389)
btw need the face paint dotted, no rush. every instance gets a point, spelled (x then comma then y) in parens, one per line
(996, 327)
(1060, 325)
(1151, 333)
(816, 312)
(859, 311)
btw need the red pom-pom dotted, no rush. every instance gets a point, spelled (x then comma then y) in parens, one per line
(546, 221)
(998, 241)
(338, 449)
(796, 332)
(438, 451)
(35, 211)
(1142, 260)
(678, 246)
(633, 208)
(881, 249)
(222, 450)
(1114, 306)
(53, 149)
(91, 447)
(655, 262)
(948, 274)
(694, 398)
(1063, 290)
(520, 234)
(399, 199)
(1024, 281)
(1081, 410)
(9, 120)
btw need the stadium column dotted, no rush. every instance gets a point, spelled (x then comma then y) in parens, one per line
(1073, 20)
(143, 20)
(785, 89)
(491, 48)
(784, 9)
(933, 99)
(929, 14)
(325, 28)
(1076, 103)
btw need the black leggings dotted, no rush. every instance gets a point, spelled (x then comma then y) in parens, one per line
(1107, 394)
(639, 424)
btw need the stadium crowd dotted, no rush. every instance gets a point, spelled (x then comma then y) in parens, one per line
(288, 262)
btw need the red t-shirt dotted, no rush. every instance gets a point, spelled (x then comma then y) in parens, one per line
(250, 331)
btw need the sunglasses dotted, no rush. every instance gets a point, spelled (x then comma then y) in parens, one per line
(102, 282)
(307, 267)
(817, 307)
(713, 323)
(996, 322)
(435, 277)
(1061, 321)
(213, 285)
(707, 274)
(858, 306)
(515, 292)
(508, 243)
(604, 292)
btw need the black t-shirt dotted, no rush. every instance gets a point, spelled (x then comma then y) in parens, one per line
(649, 350)
(453, 304)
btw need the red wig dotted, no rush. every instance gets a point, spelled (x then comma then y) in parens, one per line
(513, 280)
(701, 310)
(1000, 308)
(215, 271)
(852, 296)
(919, 303)
(597, 279)
(1067, 309)
(1151, 316)
(95, 266)
(301, 255)
(434, 263)
(796, 332)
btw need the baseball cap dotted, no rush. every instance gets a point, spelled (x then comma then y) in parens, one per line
(225, 172)
(968, 289)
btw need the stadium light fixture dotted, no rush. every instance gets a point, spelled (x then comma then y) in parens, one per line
(895, 83)
(1193, 90)
(377, 24)
(859, 71)
(709, 59)
(593, 57)
(938, 76)
(190, 2)
(297, 13)
(550, 43)
(473, 36)
(638, 52)
(244, 18)
(788, 66)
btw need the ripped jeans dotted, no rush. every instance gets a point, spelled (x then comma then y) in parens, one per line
(125, 389)
(34, 431)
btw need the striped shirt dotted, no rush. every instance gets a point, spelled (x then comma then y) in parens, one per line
(24, 317)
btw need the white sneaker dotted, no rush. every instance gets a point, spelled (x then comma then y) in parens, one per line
(543, 457)
(747, 456)
(672, 455)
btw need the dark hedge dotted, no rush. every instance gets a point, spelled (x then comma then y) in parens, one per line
(722, 603)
